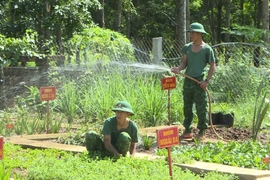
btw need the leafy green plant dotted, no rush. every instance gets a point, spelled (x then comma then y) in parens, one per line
(54, 164)
(5, 173)
(262, 105)
(98, 43)
(153, 102)
(147, 141)
(247, 154)
(31, 102)
(73, 139)
(68, 101)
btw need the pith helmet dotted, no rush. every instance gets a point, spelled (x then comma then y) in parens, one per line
(196, 27)
(123, 106)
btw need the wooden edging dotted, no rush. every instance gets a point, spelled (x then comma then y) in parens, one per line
(242, 173)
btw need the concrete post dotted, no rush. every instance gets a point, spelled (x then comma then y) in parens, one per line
(157, 50)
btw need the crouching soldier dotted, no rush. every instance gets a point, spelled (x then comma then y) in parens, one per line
(120, 134)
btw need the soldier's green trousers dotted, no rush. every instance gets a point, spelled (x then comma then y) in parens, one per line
(194, 94)
(95, 143)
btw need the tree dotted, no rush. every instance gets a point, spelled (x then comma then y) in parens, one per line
(227, 19)
(265, 19)
(54, 21)
(118, 16)
(180, 32)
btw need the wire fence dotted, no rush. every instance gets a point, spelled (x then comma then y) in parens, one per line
(240, 69)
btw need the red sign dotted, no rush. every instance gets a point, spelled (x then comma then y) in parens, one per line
(168, 83)
(168, 137)
(47, 93)
(266, 160)
(9, 126)
(1, 147)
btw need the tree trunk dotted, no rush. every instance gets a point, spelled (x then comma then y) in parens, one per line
(219, 15)
(265, 19)
(2, 89)
(128, 24)
(212, 21)
(101, 13)
(46, 16)
(187, 19)
(118, 16)
(227, 22)
(258, 11)
(98, 15)
(59, 38)
(180, 32)
(242, 17)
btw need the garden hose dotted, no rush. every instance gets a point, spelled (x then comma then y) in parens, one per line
(210, 107)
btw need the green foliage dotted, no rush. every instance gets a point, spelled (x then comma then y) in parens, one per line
(54, 164)
(31, 102)
(73, 138)
(262, 105)
(102, 44)
(147, 141)
(247, 154)
(11, 49)
(153, 100)
(230, 86)
(251, 34)
(4, 172)
(68, 101)
(92, 95)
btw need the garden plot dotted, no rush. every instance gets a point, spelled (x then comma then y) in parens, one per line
(46, 141)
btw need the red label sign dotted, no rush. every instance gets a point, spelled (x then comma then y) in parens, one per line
(1, 147)
(9, 126)
(47, 93)
(167, 137)
(168, 83)
(266, 160)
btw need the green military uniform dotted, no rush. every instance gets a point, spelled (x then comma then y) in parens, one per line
(192, 92)
(120, 139)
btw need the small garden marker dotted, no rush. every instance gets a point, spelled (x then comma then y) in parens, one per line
(9, 126)
(266, 160)
(166, 138)
(168, 83)
(1, 147)
(46, 94)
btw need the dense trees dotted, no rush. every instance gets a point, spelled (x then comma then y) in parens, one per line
(55, 21)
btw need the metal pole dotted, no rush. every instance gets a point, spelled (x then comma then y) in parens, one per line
(48, 116)
(170, 162)
(1, 147)
(169, 107)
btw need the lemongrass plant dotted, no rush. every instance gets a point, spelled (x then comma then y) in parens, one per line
(96, 93)
(68, 101)
(262, 105)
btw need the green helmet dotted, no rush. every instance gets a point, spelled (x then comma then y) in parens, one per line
(123, 106)
(196, 27)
